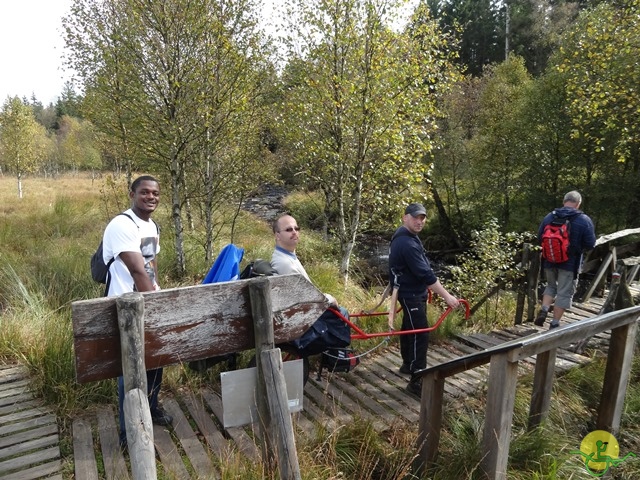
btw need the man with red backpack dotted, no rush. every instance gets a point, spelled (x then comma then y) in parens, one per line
(564, 235)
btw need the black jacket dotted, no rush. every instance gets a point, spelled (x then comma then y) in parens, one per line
(409, 268)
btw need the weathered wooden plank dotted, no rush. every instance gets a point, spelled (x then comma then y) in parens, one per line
(114, 464)
(26, 436)
(168, 453)
(32, 422)
(541, 392)
(12, 374)
(430, 424)
(238, 435)
(503, 378)
(616, 377)
(84, 457)
(24, 405)
(44, 470)
(352, 405)
(388, 371)
(5, 420)
(209, 430)
(16, 399)
(14, 388)
(190, 323)
(199, 459)
(24, 461)
(402, 383)
(329, 408)
(302, 424)
(367, 401)
(28, 446)
(373, 385)
(316, 415)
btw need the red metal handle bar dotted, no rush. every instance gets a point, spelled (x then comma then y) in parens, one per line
(362, 335)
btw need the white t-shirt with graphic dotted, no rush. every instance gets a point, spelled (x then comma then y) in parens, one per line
(121, 235)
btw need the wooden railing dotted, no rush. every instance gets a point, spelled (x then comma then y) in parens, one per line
(503, 377)
(615, 259)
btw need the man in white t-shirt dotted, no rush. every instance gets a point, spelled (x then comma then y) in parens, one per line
(133, 239)
(284, 259)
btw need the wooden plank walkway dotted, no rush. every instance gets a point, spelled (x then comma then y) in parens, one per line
(196, 443)
(29, 441)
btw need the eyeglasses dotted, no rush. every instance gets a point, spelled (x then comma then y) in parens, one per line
(290, 229)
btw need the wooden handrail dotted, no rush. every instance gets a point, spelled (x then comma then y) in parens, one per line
(504, 360)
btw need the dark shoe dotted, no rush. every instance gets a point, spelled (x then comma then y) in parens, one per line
(415, 388)
(541, 318)
(404, 369)
(160, 417)
(554, 324)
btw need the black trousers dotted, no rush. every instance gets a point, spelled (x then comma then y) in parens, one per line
(413, 347)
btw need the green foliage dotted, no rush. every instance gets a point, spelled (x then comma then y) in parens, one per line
(354, 107)
(176, 90)
(489, 262)
(598, 58)
(23, 141)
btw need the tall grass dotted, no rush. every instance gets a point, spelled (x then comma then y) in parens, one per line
(46, 241)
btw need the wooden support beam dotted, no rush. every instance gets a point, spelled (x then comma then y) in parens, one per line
(503, 378)
(542, 386)
(260, 299)
(430, 424)
(616, 377)
(130, 308)
(284, 438)
(533, 277)
(601, 271)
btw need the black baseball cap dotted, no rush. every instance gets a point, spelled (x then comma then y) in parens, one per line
(415, 209)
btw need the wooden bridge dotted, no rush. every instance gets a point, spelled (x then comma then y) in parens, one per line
(197, 442)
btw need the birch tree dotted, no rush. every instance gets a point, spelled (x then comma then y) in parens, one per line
(23, 141)
(360, 107)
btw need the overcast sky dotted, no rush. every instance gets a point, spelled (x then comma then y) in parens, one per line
(31, 48)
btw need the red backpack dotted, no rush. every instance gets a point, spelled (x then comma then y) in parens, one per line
(555, 240)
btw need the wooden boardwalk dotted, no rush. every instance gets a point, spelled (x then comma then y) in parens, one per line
(197, 443)
(29, 441)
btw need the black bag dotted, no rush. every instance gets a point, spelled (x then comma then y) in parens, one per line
(99, 269)
(257, 268)
(329, 331)
(339, 360)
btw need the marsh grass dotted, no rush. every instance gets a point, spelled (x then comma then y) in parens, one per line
(46, 241)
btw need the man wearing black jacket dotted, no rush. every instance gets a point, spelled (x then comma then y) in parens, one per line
(411, 274)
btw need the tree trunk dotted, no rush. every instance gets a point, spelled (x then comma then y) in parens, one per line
(444, 218)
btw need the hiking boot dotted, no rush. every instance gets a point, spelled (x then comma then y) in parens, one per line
(404, 369)
(160, 417)
(415, 388)
(541, 318)
(554, 324)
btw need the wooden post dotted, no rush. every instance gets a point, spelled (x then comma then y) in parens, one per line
(130, 307)
(533, 277)
(503, 378)
(276, 389)
(430, 423)
(522, 284)
(260, 297)
(601, 271)
(542, 386)
(619, 360)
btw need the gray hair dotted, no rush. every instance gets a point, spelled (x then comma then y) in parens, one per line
(573, 196)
